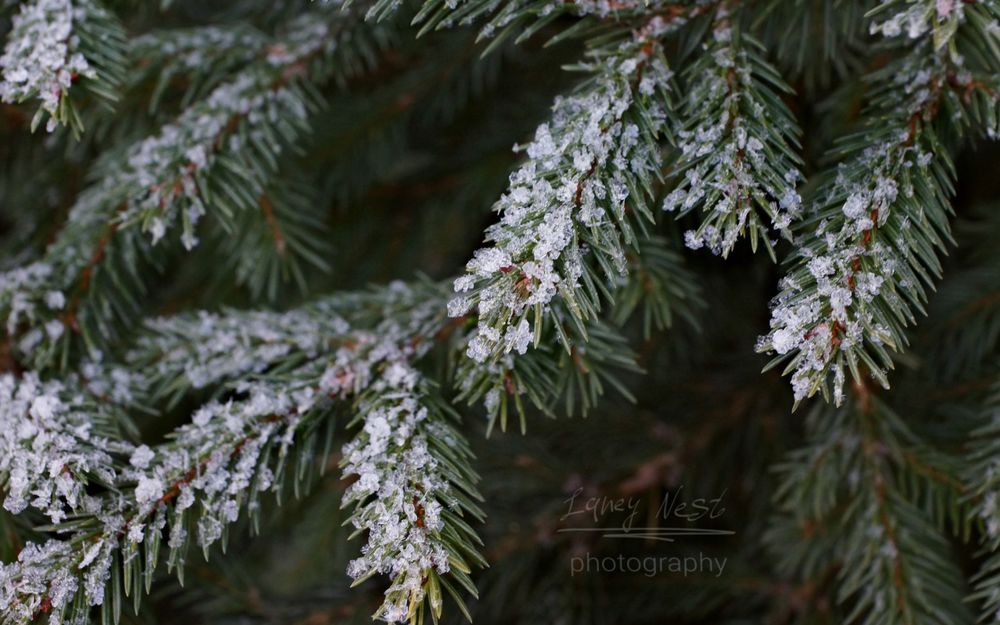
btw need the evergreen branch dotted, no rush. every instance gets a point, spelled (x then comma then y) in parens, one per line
(219, 155)
(897, 567)
(596, 159)
(237, 447)
(871, 512)
(526, 17)
(200, 350)
(868, 251)
(736, 159)
(201, 58)
(983, 478)
(412, 479)
(657, 281)
(55, 44)
(216, 461)
(171, 168)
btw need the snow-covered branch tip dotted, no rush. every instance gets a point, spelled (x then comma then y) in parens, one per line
(55, 437)
(56, 44)
(411, 481)
(565, 220)
(737, 160)
(868, 252)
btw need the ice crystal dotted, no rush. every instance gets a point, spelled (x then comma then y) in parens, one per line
(581, 168)
(922, 16)
(396, 470)
(51, 444)
(735, 162)
(831, 307)
(42, 58)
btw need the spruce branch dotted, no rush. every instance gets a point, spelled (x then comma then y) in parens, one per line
(589, 174)
(259, 435)
(192, 352)
(55, 44)
(867, 253)
(556, 380)
(736, 160)
(219, 156)
(881, 520)
(413, 486)
(214, 462)
(199, 58)
(870, 515)
(199, 350)
(525, 18)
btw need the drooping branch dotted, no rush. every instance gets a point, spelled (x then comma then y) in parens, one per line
(869, 250)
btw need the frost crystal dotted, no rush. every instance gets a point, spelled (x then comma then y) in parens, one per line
(164, 170)
(141, 457)
(42, 57)
(736, 161)
(850, 273)
(50, 446)
(397, 471)
(582, 167)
